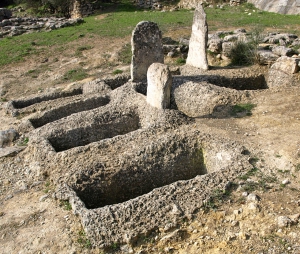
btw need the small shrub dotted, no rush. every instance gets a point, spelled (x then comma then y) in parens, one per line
(66, 205)
(180, 61)
(117, 71)
(242, 53)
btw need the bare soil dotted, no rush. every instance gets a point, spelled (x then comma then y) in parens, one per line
(31, 221)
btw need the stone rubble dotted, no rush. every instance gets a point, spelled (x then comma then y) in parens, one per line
(17, 26)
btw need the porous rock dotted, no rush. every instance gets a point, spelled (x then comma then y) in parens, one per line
(147, 49)
(7, 137)
(280, 73)
(159, 86)
(198, 42)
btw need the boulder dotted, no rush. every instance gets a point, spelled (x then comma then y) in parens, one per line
(280, 73)
(7, 137)
(283, 51)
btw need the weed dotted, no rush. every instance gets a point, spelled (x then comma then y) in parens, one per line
(284, 172)
(83, 48)
(239, 110)
(261, 184)
(282, 185)
(241, 53)
(83, 241)
(75, 74)
(24, 142)
(115, 246)
(180, 61)
(66, 205)
(3, 99)
(117, 71)
(217, 197)
(251, 172)
(297, 167)
(124, 55)
(47, 185)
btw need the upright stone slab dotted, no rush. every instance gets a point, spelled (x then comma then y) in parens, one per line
(147, 48)
(198, 42)
(159, 86)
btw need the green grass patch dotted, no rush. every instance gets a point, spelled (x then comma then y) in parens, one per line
(65, 204)
(117, 71)
(75, 74)
(218, 196)
(124, 55)
(83, 48)
(261, 184)
(83, 240)
(122, 20)
(243, 109)
(180, 61)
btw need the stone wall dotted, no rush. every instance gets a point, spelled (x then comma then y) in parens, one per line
(149, 4)
(278, 6)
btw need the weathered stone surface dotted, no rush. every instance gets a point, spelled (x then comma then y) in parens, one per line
(7, 137)
(215, 45)
(147, 49)
(5, 14)
(204, 98)
(80, 8)
(18, 26)
(266, 57)
(226, 47)
(198, 42)
(159, 86)
(278, 6)
(282, 51)
(286, 64)
(280, 73)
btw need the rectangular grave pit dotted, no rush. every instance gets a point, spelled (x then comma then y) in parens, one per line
(108, 126)
(68, 109)
(100, 186)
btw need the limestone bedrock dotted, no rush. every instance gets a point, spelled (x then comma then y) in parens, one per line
(198, 42)
(159, 85)
(147, 48)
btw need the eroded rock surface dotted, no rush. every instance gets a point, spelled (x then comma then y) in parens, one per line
(198, 42)
(147, 49)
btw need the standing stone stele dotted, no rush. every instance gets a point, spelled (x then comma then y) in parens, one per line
(147, 48)
(159, 86)
(198, 42)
